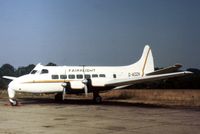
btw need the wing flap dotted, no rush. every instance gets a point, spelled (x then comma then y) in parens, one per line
(121, 82)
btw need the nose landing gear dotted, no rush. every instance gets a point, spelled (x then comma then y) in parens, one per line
(13, 102)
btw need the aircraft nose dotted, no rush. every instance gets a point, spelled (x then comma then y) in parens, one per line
(11, 89)
(13, 85)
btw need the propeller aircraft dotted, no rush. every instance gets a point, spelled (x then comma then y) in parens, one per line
(89, 79)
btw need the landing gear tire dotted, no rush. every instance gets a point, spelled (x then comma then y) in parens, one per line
(97, 99)
(13, 102)
(58, 97)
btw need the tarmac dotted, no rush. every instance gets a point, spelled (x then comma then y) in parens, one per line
(35, 116)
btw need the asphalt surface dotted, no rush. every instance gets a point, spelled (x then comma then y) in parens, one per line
(82, 116)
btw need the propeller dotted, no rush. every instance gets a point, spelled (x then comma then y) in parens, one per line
(64, 85)
(85, 81)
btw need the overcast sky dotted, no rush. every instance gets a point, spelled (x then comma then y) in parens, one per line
(99, 32)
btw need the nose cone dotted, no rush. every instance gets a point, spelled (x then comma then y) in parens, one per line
(15, 84)
(11, 85)
(11, 93)
(11, 89)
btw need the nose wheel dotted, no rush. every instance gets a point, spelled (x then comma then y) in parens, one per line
(13, 102)
(97, 98)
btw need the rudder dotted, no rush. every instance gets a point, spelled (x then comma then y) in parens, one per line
(146, 63)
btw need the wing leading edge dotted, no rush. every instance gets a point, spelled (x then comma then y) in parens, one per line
(121, 82)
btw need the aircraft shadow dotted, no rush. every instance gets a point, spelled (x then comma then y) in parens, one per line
(39, 101)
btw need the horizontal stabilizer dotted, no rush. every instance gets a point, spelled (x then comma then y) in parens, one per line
(170, 69)
(121, 82)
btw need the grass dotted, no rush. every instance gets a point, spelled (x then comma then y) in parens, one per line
(157, 96)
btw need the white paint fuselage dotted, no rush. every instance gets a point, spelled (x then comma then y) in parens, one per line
(71, 79)
(44, 83)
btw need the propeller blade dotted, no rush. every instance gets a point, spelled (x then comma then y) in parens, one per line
(64, 91)
(85, 81)
(63, 94)
(86, 90)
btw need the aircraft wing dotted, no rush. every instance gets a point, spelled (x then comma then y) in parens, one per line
(121, 82)
(170, 69)
(9, 77)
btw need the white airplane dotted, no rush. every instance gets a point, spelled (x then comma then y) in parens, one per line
(86, 79)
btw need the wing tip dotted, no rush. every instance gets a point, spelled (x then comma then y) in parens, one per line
(9, 77)
(188, 72)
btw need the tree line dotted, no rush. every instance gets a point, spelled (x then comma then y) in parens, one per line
(187, 82)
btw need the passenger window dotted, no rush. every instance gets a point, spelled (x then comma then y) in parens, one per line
(63, 76)
(102, 75)
(54, 76)
(44, 71)
(33, 72)
(79, 76)
(114, 76)
(87, 76)
(94, 75)
(71, 76)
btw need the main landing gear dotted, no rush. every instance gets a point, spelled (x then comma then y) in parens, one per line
(59, 97)
(97, 98)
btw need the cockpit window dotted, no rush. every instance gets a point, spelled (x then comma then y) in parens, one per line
(44, 71)
(33, 72)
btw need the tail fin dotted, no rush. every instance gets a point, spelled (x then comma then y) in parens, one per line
(145, 64)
